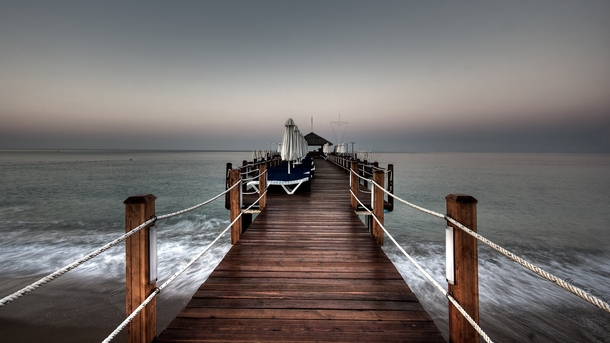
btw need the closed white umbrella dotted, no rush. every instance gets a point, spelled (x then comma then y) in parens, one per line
(326, 148)
(290, 151)
(301, 144)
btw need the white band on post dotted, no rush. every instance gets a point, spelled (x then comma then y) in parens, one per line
(449, 255)
(152, 257)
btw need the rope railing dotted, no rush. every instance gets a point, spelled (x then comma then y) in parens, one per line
(258, 163)
(546, 275)
(360, 164)
(539, 271)
(253, 178)
(248, 172)
(14, 296)
(158, 290)
(364, 179)
(428, 277)
(194, 207)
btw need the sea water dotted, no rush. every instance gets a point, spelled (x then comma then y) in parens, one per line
(551, 209)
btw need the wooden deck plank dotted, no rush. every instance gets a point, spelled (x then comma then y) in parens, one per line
(306, 270)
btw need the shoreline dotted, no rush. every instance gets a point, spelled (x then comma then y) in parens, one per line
(66, 311)
(13, 330)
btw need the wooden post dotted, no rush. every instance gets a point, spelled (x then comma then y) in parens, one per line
(235, 205)
(465, 289)
(227, 185)
(262, 185)
(377, 204)
(143, 328)
(354, 182)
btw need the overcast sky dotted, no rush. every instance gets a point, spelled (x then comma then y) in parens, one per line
(406, 75)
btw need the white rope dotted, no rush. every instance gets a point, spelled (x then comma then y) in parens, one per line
(249, 179)
(165, 216)
(62, 271)
(71, 266)
(251, 171)
(172, 278)
(368, 191)
(432, 213)
(254, 177)
(546, 275)
(427, 276)
(558, 281)
(256, 202)
(159, 289)
(131, 316)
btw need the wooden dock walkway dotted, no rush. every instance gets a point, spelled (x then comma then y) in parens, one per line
(306, 270)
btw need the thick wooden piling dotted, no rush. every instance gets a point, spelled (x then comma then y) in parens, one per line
(235, 206)
(142, 329)
(466, 286)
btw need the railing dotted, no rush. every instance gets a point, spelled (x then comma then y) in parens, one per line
(365, 170)
(141, 259)
(462, 260)
(249, 171)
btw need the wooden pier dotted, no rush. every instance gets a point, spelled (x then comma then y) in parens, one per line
(306, 270)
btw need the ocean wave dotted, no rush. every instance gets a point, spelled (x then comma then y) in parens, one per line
(515, 303)
(28, 252)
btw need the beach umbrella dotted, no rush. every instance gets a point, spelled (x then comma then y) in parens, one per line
(300, 143)
(290, 152)
(305, 149)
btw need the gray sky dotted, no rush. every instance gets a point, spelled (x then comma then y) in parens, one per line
(406, 75)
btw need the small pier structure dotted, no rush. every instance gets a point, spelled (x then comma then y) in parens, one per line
(306, 270)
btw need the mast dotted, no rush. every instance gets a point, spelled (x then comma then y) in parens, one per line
(339, 124)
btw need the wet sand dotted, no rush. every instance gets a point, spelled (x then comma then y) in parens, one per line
(66, 311)
(20, 331)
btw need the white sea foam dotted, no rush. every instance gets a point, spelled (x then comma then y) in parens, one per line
(50, 215)
(509, 293)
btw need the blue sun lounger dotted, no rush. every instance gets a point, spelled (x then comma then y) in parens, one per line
(278, 176)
